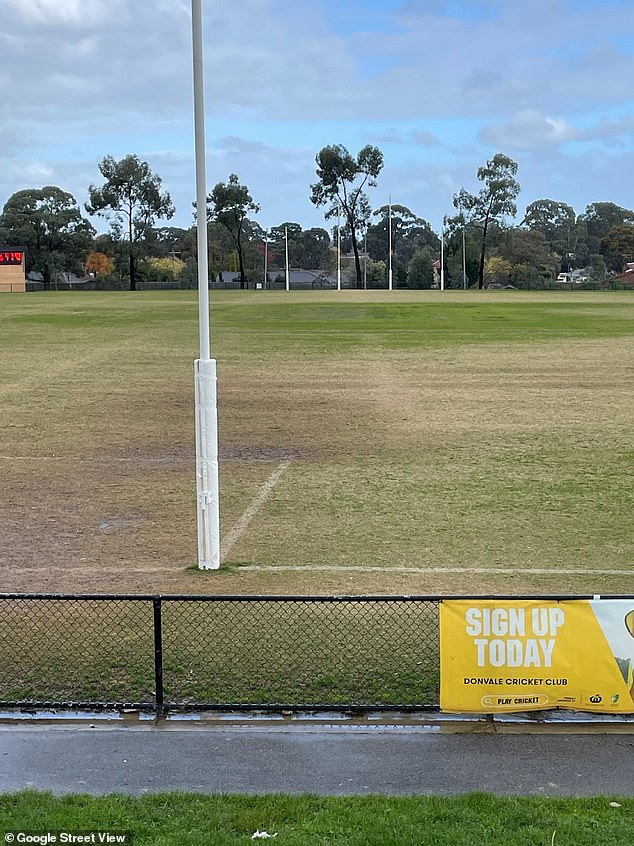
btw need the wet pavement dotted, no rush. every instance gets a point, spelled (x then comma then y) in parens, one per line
(323, 756)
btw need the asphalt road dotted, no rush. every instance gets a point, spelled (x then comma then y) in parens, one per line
(327, 760)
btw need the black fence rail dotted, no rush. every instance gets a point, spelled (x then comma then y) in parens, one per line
(167, 653)
(177, 653)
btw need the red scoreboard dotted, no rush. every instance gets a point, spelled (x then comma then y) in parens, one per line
(11, 257)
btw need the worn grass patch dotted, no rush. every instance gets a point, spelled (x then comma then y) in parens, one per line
(426, 434)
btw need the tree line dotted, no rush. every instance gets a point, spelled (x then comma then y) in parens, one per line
(481, 245)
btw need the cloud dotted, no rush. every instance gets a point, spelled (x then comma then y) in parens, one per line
(234, 144)
(426, 139)
(419, 137)
(441, 84)
(12, 137)
(528, 130)
(37, 172)
(578, 180)
(482, 80)
(612, 130)
(289, 65)
(68, 13)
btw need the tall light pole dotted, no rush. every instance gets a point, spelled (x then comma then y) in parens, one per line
(287, 274)
(442, 255)
(365, 257)
(389, 243)
(464, 254)
(266, 256)
(339, 248)
(206, 411)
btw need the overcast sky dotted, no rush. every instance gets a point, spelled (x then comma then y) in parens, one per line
(439, 85)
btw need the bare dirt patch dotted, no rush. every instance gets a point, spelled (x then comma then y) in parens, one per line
(123, 521)
(120, 522)
(75, 525)
(264, 453)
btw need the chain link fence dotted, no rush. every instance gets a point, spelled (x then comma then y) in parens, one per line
(218, 652)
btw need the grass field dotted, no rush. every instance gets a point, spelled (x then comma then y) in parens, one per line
(174, 819)
(425, 443)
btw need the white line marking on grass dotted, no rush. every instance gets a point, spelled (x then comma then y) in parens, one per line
(86, 460)
(237, 530)
(569, 571)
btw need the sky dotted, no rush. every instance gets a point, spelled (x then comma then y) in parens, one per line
(439, 85)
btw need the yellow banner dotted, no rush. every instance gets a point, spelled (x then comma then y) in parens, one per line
(521, 655)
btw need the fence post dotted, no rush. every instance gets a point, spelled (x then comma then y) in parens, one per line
(158, 654)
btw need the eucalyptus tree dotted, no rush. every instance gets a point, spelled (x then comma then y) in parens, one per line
(617, 247)
(410, 233)
(494, 201)
(558, 224)
(531, 247)
(168, 240)
(229, 205)
(420, 269)
(132, 200)
(307, 248)
(600, 218)
(551, 217)
(316, 254)
(341, 180)
(48, 223)
(287, 233)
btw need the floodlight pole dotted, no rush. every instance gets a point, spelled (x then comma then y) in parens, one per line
(207, 487)
(287, 274)
(365, 258)
(442, 256)
(389, 244)
(339, 248)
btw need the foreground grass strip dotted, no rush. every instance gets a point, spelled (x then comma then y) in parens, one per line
(189, 819)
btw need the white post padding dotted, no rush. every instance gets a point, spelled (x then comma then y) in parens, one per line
(207, 487)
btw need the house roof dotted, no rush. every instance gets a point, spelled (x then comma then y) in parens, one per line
(627, 277)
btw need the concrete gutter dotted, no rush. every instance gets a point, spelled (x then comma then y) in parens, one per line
(545, 722)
